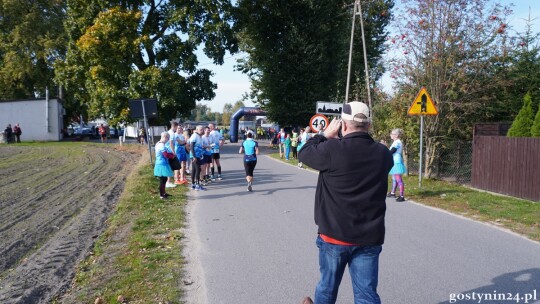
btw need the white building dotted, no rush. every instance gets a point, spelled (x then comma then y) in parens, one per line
(40, 119)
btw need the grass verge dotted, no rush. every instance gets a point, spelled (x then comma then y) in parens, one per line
(138, 258)
(517, 215)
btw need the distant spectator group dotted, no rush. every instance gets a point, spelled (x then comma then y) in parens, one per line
(12, 134)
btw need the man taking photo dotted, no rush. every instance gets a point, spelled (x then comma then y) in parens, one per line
(349, 203)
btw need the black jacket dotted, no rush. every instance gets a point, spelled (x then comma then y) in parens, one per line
(350, 200)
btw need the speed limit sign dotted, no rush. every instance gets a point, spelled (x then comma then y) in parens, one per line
(318, 121)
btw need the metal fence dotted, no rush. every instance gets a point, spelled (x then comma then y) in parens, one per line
(453, 161)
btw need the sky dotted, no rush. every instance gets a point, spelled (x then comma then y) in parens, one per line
(233, 84)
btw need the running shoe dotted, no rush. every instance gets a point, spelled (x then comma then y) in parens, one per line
(400, 199)
(213, 178)
(200, 188)
(249, 187)
(170, 185)
(219, 177)
(178, 182)
(193, 186)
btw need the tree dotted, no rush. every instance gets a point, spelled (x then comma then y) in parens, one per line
(514, 76)
(521, 127)
(202, 113)
(227, 113)
(31, 40)
(448, 46)
(298, 52)
(535, 129)
(131, 49)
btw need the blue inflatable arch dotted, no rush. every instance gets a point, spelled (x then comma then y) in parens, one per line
(233, 131)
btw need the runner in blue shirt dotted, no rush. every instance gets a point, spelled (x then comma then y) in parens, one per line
(196, 155)
(216, 141)
(251, 149)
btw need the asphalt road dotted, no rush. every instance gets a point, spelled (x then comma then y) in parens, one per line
(259, 247)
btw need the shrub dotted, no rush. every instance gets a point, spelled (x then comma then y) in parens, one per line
(535, 129)
(521, 127)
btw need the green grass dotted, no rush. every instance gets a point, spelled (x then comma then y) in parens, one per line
(520, 216)
(139, 255)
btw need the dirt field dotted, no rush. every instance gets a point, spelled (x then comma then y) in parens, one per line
(54, 201)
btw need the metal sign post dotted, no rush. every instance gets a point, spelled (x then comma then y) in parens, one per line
(422, 105)
(148, 109)
(147, 133)
(420, 172)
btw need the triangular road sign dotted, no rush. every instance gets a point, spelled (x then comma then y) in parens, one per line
(423, 104)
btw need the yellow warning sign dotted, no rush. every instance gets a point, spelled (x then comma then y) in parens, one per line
(423, 104)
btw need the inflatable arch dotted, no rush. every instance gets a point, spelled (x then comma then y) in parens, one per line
(233, 130)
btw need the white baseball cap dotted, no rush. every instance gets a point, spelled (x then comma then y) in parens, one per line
(352, 109)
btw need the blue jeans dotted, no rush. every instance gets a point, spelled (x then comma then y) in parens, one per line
(363, 264)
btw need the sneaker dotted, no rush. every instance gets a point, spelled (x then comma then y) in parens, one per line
(307, 300)
(390, 194)
(213, 178)
(187, 172)
(162, 197)
(193, 186)
(219, 177)
(199, 188)
(178, 182)
(170, 185)
(249, 186)
(400, 199)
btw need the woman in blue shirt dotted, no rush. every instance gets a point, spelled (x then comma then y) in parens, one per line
(251, 149)
(162, 169)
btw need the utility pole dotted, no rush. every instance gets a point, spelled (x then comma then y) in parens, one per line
(357, 10)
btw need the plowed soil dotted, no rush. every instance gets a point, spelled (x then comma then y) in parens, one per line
(54, 201)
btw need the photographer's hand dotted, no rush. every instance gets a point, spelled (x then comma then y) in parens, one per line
(333, 128)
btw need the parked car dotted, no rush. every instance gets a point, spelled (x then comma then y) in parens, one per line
(116, 132)
(82, 131)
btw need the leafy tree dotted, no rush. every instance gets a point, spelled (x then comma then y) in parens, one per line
(202, 113)
(31, 39)
(227, 113)
(448, 46)
(131, 49)
(521, 127)
(298, 52)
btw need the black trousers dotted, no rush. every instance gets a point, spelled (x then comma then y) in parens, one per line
(250, 167)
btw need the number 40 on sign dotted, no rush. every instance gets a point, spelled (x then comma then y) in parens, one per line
(318, 120)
